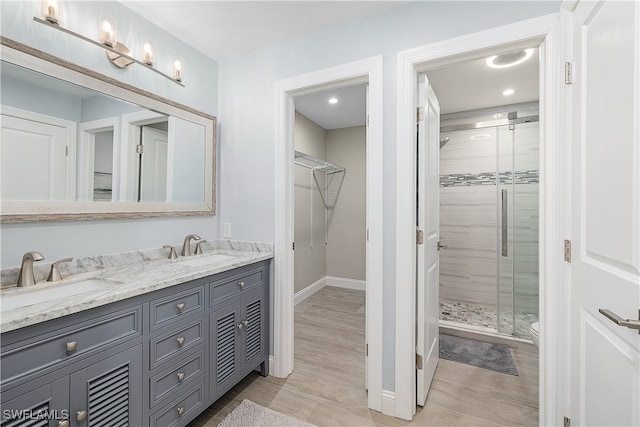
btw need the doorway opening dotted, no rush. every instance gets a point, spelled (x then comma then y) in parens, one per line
(535, 32)
(368, 71)
(489, 193)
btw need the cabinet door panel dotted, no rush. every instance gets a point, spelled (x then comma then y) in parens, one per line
(44, 406)
(110, 391)
(253, 336)
(224, 355)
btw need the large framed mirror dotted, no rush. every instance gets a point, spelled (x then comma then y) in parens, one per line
(79, 145)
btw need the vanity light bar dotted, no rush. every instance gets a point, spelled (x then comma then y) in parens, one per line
(107, 48)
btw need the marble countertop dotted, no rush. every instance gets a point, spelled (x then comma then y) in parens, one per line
(115, 284)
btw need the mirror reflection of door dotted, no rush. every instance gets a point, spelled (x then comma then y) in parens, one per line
(152, 183)
(43, 175)
(103, 166)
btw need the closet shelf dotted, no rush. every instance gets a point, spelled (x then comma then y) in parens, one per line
(310, 162)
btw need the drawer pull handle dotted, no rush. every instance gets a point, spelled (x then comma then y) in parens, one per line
(72, 346)
(180, 376)
(81, 415)
(180, 341)
(180, 307)
(241, 284)
(181, 410)
(64, 423)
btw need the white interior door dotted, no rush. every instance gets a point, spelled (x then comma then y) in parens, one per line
(605, 357)
(428, 225)
(153, 165)
(34, 160)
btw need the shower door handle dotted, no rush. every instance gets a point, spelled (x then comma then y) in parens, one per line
(505, 242)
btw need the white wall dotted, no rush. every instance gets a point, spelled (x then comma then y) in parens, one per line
(79, 239)
(247, 111)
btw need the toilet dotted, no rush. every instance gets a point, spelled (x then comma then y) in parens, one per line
(535, 333)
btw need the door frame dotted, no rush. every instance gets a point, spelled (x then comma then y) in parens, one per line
(366, 70)
(554, 210)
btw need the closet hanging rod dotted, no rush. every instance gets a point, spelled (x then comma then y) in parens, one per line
(310, 162)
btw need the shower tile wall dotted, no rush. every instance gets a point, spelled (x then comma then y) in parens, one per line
(468, 218)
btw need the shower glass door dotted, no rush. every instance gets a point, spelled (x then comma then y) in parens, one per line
(517, 194)
(505, 230)
(526, 202)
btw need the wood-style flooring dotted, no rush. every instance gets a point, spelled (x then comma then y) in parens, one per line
(326, 387)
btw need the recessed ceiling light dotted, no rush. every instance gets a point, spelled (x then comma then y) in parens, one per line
(507, 60)
(508, 92)
(497, 116)
(480, 136)
(333, 100)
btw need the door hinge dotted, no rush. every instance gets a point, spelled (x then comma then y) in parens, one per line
(419, 237)
(140, 149)
(66, 150)
(368, 120)
(567, 250)
(567, 422)
(293, 246)
(366, 350)
(367, 234)
(419, 361)
(568, 78)
(419, 114)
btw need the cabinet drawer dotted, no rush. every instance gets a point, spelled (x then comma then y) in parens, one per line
(169, 309)
(88, 336)
(182, 411)
(178, 341)
(234, 285)
(171, 381)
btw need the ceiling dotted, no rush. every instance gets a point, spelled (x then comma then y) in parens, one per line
(463, 86)
(224, 29)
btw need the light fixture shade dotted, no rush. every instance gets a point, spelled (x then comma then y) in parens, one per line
(178, 70)
(108, 27)
(148, 51)
(51, 11)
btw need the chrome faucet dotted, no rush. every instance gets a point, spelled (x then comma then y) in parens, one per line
(26, 277)
(186, 247)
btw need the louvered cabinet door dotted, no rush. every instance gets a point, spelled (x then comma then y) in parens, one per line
(224, 355)
(253, 333)
(44, 406)
(109, 392)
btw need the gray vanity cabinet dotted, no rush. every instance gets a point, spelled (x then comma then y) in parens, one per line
(238, 325)
(157, 359)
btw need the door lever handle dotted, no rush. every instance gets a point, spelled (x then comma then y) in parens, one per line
(441, 246)
(631, 324)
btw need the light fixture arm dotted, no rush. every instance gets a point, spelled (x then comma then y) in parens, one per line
(119, 53)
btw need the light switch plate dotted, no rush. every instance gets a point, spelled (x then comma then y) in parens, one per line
(227, 230)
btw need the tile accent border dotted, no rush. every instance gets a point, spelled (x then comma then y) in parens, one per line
(489, 178)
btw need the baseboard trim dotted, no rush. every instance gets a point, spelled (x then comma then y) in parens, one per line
(389, 403)
(309, 290)
(270, 362)
(341, 282)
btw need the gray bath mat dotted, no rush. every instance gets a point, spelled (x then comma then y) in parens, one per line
(495, 357)
(250, 414)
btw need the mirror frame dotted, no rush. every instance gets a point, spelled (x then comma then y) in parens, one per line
(37, 211)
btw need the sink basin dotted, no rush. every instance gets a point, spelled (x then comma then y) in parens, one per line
(204, 260)
(22, 297)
